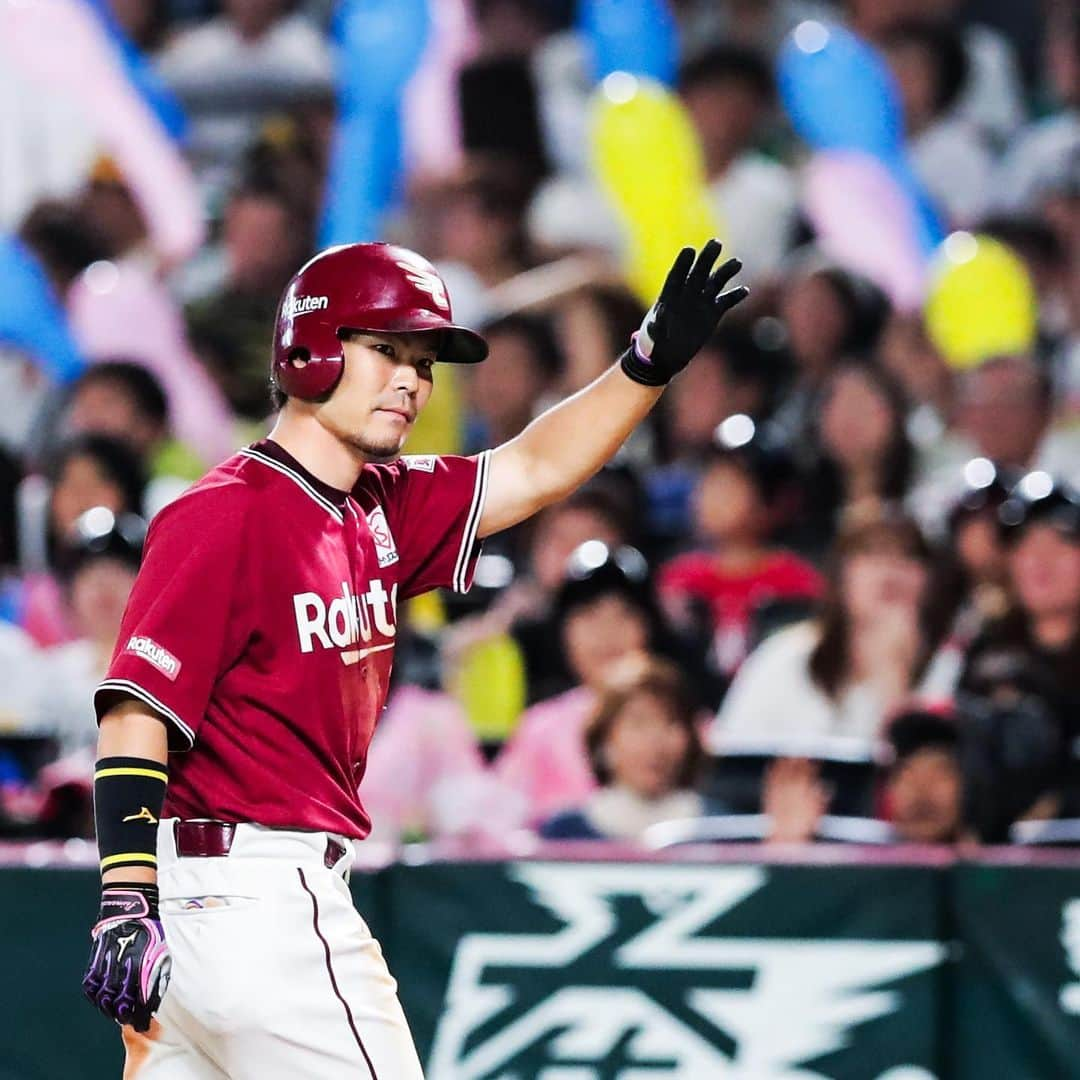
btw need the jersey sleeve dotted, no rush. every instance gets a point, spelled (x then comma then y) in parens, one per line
(186, 620)
(433, 507)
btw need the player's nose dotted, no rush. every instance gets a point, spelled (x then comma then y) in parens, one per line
(405, 378)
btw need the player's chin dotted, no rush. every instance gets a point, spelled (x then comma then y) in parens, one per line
(381, 445)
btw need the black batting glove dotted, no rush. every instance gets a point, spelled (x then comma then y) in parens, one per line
(129, 966)
(691, 304)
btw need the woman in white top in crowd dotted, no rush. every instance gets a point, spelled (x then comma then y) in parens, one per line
(868, 649)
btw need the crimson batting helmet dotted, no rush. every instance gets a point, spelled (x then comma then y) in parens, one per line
(373, 287)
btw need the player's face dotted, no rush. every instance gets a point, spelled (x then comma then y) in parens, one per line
(386, 382)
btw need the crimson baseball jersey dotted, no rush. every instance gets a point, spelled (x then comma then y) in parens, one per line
(262, 626)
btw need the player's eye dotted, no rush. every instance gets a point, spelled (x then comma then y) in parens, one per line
(384, 347)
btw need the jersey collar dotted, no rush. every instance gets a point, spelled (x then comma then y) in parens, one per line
(271, 453)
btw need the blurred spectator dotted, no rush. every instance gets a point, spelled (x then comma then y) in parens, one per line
(862, 451)
(794, 799)
(97, 568)
(948, 152)
(230, 72)
(144, 21)
(523, 610)
(729, 92)
(479, 239)
(593, 326)
(743, 492)
(971, 576)
(1024, 669)
(923, 792)
(829, 313)
(908, 355)
(644, 750)
(604, 612)
(843, 672)
(992, 95)
(1004, 411)
(504, 391)
(732, 375)
(760, 24)
(1043, 150)
(266, 237)
(64, 241)
(118, 308)
(125, 401)
(86, 472)
(425, 777)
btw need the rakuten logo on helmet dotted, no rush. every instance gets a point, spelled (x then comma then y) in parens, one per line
(347, 619)
(302, 305)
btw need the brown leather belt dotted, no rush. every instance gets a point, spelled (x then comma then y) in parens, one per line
(213, 840)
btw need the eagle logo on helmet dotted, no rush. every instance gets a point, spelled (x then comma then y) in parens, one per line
(427, 281)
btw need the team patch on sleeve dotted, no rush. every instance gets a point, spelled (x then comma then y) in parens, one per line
(156, 654)
(385, 548)
(420, 462)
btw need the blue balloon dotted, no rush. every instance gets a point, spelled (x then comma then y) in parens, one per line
(31, 317)
(838, 91)
(639, 36)
(380, 43)
(840, 95)
(141, 74)
(929, 228)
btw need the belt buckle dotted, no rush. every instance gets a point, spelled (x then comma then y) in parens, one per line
(197, 838)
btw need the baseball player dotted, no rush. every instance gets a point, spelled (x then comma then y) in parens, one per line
(255, 654)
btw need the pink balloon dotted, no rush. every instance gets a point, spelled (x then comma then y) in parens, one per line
(61, 44)
(431, 118)
(865, 220)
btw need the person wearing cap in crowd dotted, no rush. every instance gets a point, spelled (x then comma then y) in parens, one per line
(738, 504)
(921, 794)
(1034, 650)
(1005, 413)
(604, 612)
(96, 568)
(924, 788)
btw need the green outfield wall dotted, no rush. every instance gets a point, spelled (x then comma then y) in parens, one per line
(858, 966)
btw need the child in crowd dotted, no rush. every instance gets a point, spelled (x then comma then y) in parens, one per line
(742, 495)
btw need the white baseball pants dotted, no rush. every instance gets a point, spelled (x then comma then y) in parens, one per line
(274, 973)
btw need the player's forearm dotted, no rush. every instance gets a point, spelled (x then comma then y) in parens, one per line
(132, 731)
(563, 447)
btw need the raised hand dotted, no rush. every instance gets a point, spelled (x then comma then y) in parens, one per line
(691, 304)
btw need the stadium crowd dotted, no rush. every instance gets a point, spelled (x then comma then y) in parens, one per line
(830, 590)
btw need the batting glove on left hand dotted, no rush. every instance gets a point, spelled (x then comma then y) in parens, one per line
(129, 966)
(691, 304)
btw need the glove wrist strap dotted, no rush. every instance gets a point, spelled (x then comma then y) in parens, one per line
(122, 900)
(641, 369)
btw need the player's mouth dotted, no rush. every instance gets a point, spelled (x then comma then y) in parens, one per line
(403, 415)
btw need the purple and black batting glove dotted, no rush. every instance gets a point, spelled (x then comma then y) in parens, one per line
(128, 971)
(685, 316)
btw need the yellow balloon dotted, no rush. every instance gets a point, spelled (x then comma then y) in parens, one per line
(981, 302)
(647, 157)
(490, 684)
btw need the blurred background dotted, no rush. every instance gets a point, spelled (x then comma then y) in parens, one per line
(836, 575)
(828, 593)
